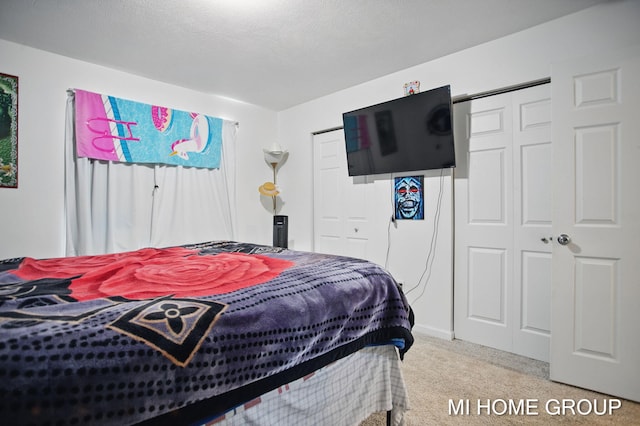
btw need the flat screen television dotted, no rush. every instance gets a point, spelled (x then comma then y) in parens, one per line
(402, 135)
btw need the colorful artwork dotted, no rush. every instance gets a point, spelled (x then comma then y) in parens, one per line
(8, 131)
(113, 129)
(409, 197)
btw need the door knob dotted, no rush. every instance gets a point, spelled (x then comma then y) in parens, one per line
(564, 239)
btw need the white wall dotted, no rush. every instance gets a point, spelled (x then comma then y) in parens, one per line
(518, 58)
(31, 216)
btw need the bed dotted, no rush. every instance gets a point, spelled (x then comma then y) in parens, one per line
(217, 333)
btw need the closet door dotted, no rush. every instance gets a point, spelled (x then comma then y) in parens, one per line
(341, 203)
(502, 259)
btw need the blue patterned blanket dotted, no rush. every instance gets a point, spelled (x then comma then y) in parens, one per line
(194, 330)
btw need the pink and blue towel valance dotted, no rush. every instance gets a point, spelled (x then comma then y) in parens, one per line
(114, 129)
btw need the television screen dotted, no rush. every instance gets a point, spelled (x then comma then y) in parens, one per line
(406, 134)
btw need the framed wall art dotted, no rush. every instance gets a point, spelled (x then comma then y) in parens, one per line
(409, 197)
(8, 131)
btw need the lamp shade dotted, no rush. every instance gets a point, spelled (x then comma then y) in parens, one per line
(274, 154)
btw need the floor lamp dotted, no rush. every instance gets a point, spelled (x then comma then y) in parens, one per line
(275, 156)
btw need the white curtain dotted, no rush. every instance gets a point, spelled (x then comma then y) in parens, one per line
(113, 207)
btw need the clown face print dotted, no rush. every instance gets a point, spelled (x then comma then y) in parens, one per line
(408, 196)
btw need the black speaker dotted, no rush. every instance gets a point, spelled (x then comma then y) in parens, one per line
(280, 231)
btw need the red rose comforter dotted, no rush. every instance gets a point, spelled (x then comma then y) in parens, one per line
(194, 330)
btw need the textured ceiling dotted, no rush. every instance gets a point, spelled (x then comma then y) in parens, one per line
(271, 53)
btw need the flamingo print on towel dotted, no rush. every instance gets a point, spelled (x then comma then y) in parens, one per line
(198, 139)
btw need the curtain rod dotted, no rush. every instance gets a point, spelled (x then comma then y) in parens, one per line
(465, 98)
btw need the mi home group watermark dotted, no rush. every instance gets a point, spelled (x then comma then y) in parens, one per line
(533, 407)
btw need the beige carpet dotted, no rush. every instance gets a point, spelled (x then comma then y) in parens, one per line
(436, 371)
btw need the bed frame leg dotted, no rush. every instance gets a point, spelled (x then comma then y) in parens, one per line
(389, 418)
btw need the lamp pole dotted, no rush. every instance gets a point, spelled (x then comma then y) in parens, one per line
(274, 165)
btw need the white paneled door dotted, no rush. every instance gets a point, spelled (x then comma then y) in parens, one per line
(502, 290)
(596, 256)
(342, 206)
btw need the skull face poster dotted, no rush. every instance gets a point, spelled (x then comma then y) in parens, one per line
(409, 197)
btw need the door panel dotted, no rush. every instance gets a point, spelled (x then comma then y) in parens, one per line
(596, 165)
(595, 302)
(483, 238)
(342, 205)
(532, 212)
(595, 342)
(536, 292)
(487, 285)
(503, 222)
(536, 172)
(328, 220)
(487, 182)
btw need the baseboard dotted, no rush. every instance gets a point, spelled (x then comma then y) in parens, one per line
(433, 332)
